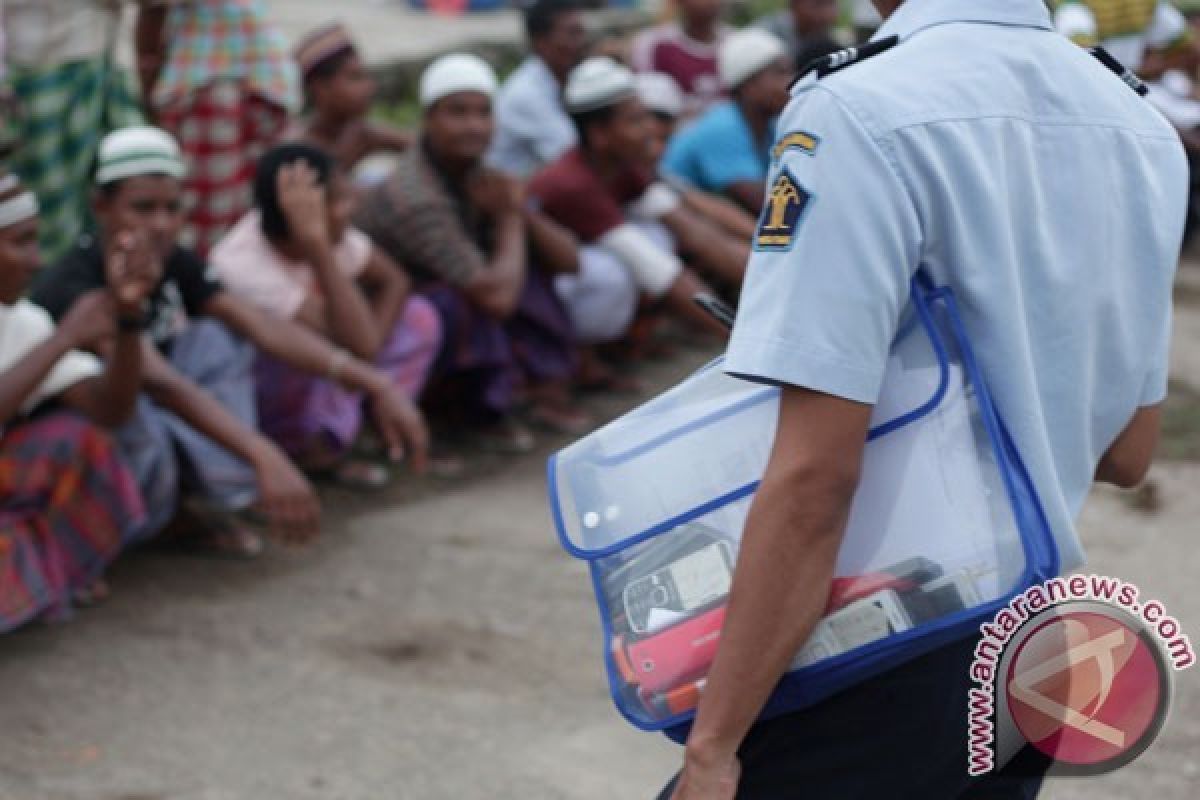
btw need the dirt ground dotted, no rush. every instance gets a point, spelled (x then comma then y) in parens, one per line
(437, 644)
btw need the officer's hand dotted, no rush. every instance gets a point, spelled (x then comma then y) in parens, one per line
(708, 778)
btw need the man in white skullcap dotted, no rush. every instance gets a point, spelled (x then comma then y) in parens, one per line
(726, 151)
(662, 97)
(194, 436)
(483, 257)
(604, 193)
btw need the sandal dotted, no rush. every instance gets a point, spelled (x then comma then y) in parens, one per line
(357, 475)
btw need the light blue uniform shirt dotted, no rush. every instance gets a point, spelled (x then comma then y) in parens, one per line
(1011, 165)
(717, 150)
(532, 127)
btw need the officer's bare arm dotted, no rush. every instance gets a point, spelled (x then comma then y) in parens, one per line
(1127, 460)
(785, 564)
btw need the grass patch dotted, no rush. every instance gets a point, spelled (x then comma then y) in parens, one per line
(404, 114)
(1181, 424)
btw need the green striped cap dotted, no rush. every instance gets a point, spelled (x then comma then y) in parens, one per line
(140, 150)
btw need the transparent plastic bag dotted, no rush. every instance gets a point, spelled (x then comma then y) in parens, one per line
(944, 528)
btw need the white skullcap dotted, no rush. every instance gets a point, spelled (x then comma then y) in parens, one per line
(660, 93)
(17, 206)
(744, 53)
(596, 83)
(140, 150)
(457, 72)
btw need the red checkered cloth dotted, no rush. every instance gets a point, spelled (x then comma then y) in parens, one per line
(223, 128)
(68, 504)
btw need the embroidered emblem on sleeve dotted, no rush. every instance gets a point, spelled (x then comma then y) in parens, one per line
(784, 209)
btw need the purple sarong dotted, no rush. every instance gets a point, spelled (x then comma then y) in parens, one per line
(491, 358)
(296, 408)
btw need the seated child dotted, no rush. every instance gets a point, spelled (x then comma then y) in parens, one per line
(340, 91)
(296, 257)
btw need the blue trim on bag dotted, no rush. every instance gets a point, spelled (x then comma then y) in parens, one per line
(649, 533)
(757, 398)
(807, 685)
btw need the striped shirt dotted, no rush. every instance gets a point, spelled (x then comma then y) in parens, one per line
(420, 220)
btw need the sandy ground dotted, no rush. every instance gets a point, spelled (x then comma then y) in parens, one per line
(434, 645)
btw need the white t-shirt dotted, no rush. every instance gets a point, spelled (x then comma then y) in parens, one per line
(23, 326)
(248, 265)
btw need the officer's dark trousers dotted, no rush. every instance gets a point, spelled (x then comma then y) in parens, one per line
(900, 735)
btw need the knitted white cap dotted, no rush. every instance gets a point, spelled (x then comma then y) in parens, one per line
(597, 83)
(453, 73)
(140, 150)
(744, 53)
(660, 93)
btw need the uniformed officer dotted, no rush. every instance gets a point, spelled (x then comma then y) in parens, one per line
(973, 142)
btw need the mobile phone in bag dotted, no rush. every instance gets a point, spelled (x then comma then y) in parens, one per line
(685, 585)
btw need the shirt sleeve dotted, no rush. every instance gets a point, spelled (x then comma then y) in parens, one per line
(835, 249)
(197, 283)
(677, 161)
(37, 326)
(1154, 388)
(245, 265)
(354, 252)
(57, 288)
(585, 208)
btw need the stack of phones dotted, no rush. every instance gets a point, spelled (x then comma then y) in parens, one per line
(668, 607)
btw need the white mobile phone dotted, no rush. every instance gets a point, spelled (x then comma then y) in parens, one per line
(680, 587)
(874, 617)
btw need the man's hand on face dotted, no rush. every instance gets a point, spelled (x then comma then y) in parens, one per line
(302, 199)
(132, 271)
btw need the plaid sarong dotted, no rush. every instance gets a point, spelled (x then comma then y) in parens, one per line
(63, 112)
(67, 506)
(211, 40)
(222, 128)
